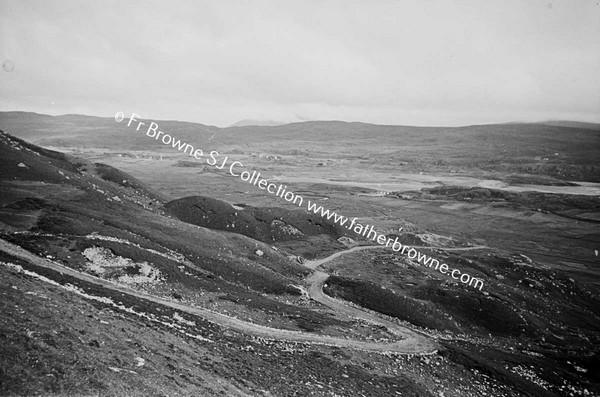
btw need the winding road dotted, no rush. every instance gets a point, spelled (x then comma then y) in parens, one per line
(412, 342)
(313, 264)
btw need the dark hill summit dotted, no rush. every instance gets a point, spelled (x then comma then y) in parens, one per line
(295, 230)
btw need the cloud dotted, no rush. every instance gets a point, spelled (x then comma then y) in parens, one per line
(405, 62)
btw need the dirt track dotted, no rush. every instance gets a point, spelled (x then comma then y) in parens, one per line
(413, 342)
(316, 292)
(316, 263)
(318, 278)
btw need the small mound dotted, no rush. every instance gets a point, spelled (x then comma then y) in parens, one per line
(383, 300)
(268, 225)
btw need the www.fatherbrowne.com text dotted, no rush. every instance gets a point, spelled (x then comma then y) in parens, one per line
(236, 168)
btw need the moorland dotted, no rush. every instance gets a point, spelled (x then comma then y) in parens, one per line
(128, 268)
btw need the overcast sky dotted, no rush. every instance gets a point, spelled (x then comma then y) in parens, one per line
(386, 62)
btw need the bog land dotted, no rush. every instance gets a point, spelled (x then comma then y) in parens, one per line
(515, 204)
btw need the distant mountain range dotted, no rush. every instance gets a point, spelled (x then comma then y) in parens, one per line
(572, 124)
(565, 150)
(263, 123)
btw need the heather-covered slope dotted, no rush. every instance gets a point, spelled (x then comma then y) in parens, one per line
(56, 203)
(127, 315)
(236, 260)
(297, 231)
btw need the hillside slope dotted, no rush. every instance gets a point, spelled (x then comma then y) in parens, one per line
(104, 294)
(296, 231)
(58, 206)
(110, 292)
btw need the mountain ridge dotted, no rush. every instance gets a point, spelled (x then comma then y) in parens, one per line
(272, 123)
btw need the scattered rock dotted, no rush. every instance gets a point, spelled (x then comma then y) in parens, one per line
(177, 296)
(532, 283)
(527, 259)
(347, 241)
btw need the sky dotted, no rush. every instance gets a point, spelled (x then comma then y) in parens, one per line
(433, 63)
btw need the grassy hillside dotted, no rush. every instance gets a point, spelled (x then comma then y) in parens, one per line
(296, 231)
(56, 206)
